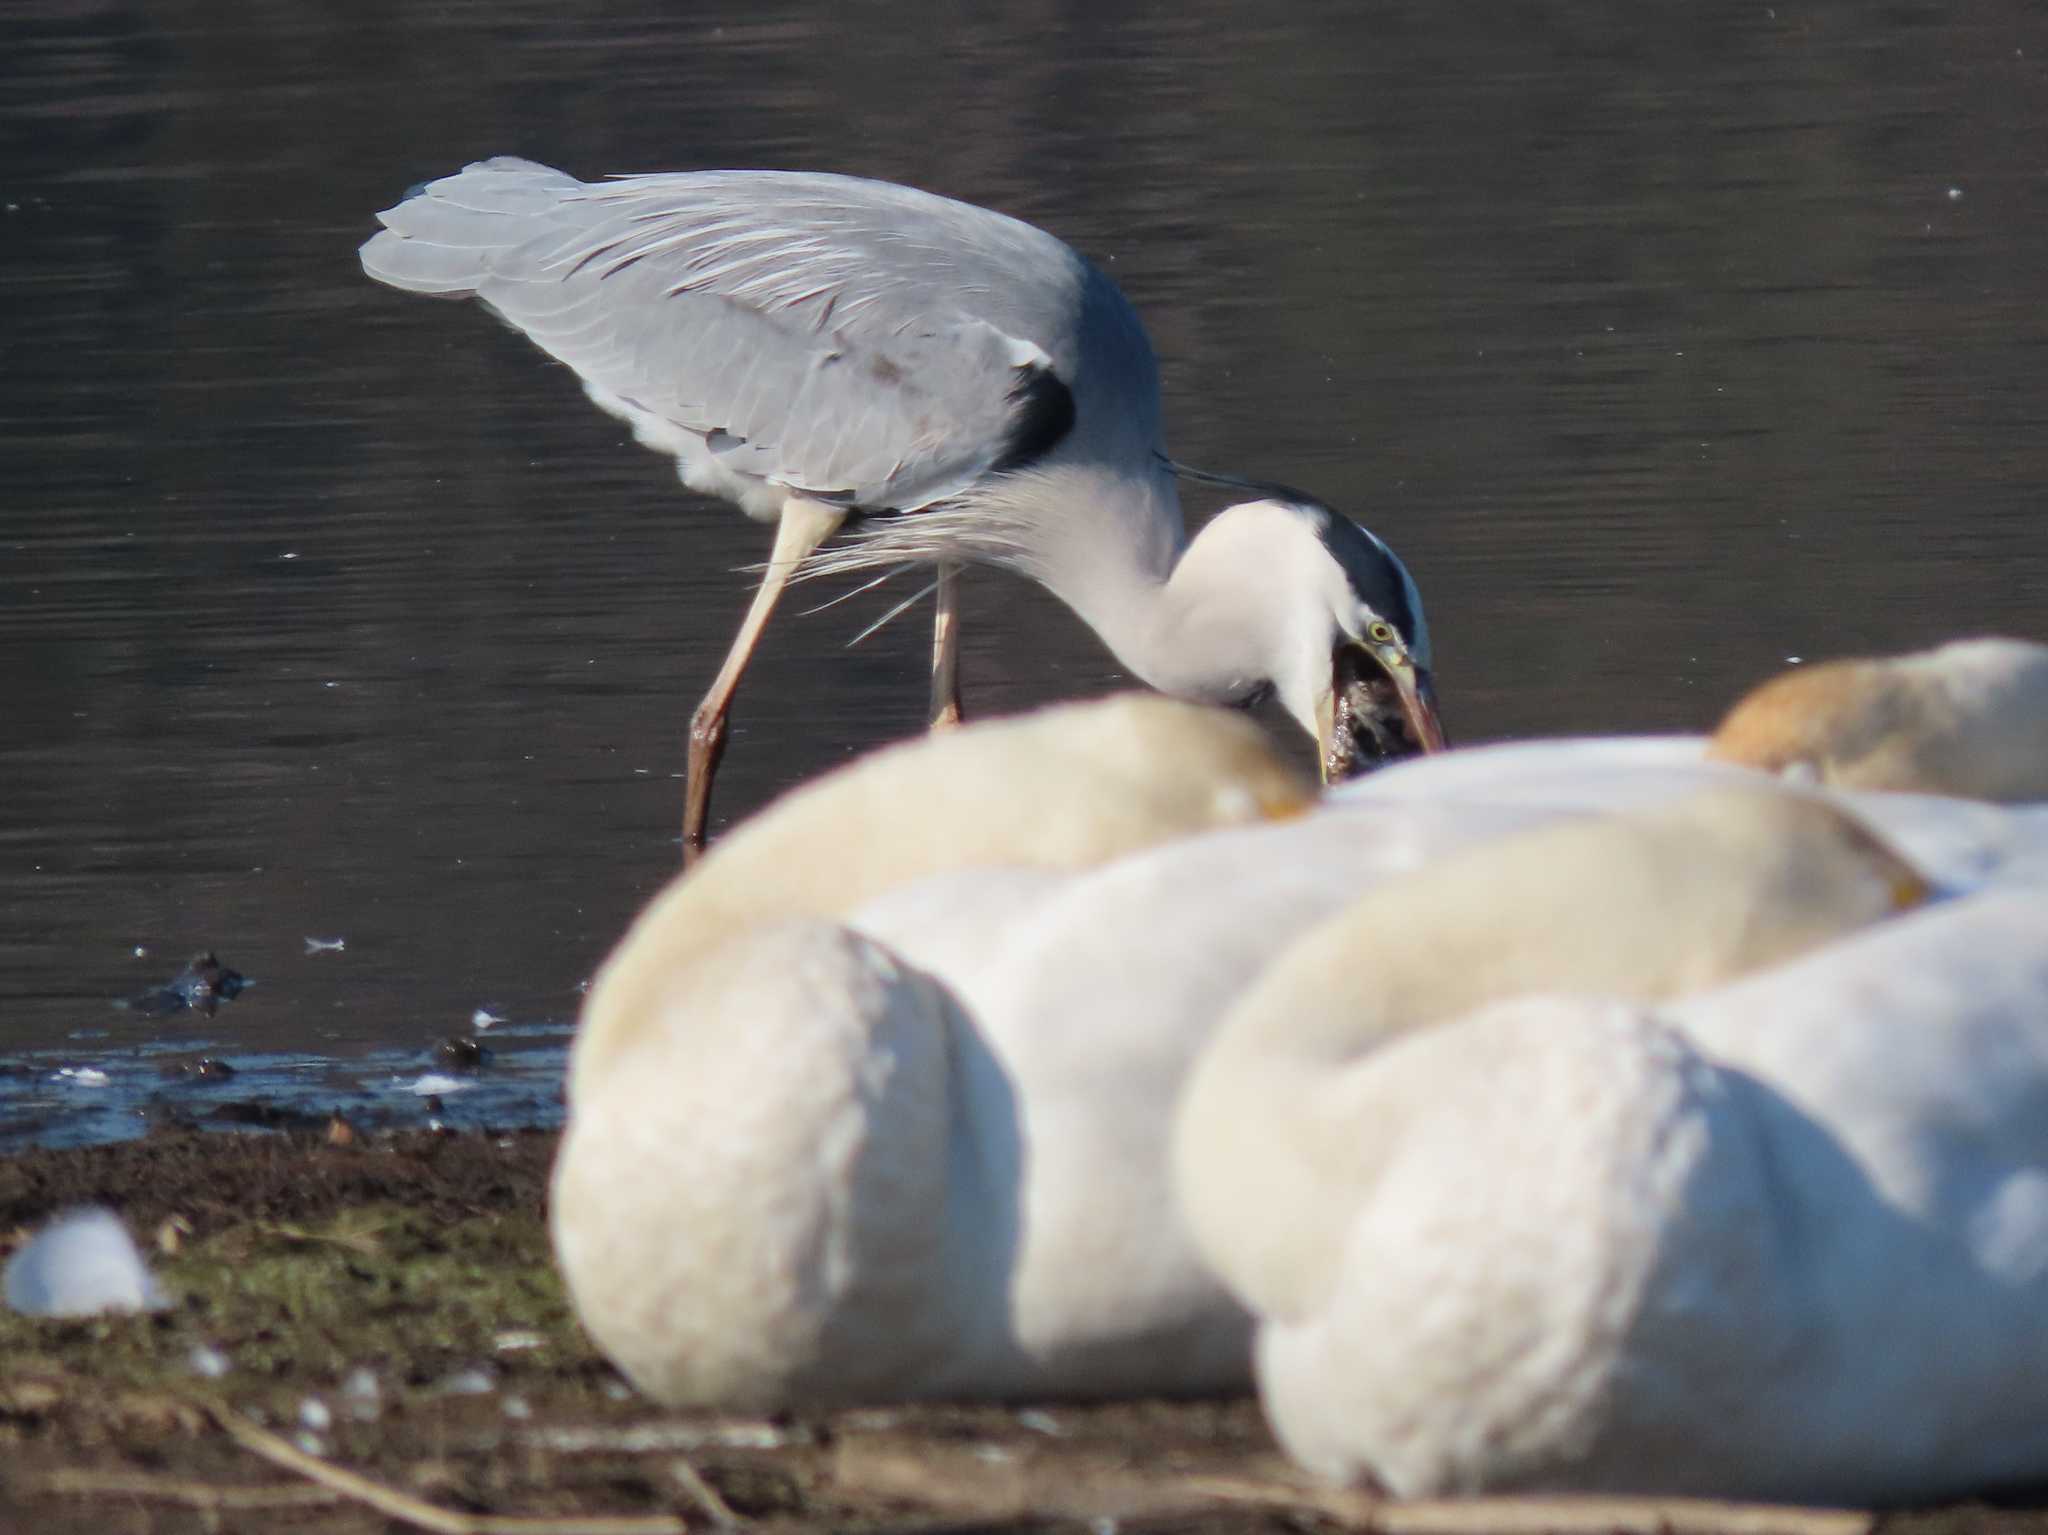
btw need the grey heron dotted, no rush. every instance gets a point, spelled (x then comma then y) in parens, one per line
(949, 385)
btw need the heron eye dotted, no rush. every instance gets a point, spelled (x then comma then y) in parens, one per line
(1381, 633)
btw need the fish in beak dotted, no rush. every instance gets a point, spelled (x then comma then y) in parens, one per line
(1380, 709)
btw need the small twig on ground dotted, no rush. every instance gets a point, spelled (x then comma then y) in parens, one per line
(80, 1482)
(1540, 1515)
(363, 1243)
(1051, 1480)
(706, 1496)
(403, 1506)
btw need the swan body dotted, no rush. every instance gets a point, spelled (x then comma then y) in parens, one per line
(1783, 1239)
(1916, 745)
(874, 1104)
(932, 1076)
(1092, 995)
(1270, 1146)
(819, 1151)
(726, 1195)
(1969, 718)
(1058, 789)
(1778, 1232)
(1959, 843)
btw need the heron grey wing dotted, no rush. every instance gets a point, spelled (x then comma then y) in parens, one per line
(853, 339)
(442, 237)
(900, 423)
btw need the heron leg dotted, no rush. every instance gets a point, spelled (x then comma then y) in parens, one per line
(804, 526)
(946, 649)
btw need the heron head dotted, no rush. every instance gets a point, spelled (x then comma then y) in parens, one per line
(1380, 707)
(1284, 597)
(1371, 698)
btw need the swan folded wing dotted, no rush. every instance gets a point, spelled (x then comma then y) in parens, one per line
(1922, 1044)
(856, 342)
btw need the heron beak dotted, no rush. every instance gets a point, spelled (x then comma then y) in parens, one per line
(1380, 708)
(1417, 693)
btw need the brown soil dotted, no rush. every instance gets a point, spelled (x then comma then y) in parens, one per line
(422, 1260)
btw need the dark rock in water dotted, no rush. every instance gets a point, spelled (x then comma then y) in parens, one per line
(161, 1116)
(267, 1116)
(202, 985)
(462, 1054)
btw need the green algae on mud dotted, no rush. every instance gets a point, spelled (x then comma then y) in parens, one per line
(374, 1285)
(292, 1261)
(370, 1296)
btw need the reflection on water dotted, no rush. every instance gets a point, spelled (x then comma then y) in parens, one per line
(1662, 345)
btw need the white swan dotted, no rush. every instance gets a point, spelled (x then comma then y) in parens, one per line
(1061, 789)
(1960, 843)
(1913, 744)
(1086, 999)
(919, 1149)
(799, 1169)
(1127, 970)
(1341, 1162)
(1787, 1239)
(872, 1105)
(1969, 718)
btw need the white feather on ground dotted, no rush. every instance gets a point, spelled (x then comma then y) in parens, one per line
(80, 1264)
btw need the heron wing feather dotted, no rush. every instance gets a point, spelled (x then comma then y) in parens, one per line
(850, 339)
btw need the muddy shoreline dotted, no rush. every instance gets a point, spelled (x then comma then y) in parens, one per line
(387, 1308)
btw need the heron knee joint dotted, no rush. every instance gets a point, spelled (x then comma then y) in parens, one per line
(707, 730)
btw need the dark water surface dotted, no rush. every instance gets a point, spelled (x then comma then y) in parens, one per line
(1664, 343)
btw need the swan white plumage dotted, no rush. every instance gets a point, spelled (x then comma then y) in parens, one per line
(1092, 995)
(1642, 906)
(735, 1227)
(799, 1169)
(1344, 1150)
(1966, 720)
(1061, 789)
(1785, 1239)
(1959, 843)
(1121, 973)
(1915, 745)
(1969, 718)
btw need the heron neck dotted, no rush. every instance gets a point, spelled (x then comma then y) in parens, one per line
(1181, 616)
